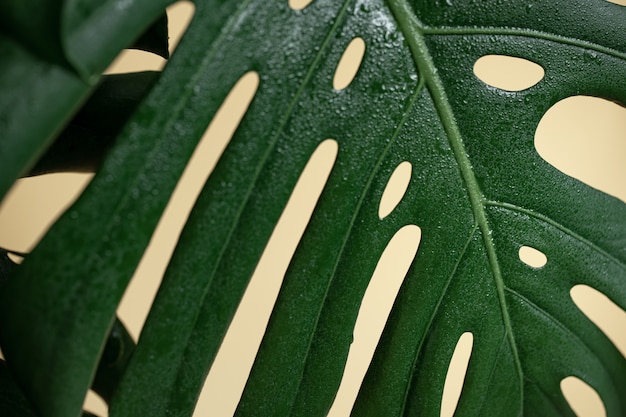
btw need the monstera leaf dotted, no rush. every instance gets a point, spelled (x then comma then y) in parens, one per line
(478, 190)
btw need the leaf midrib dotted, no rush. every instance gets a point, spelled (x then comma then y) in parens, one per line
(413, 31)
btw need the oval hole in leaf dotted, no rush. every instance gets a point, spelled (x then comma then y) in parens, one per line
(603, 312)
(507, 72)
(139, 294)
(377, 302)
(227, 377)
(395, 189)
(299, 4)
(583, 399)
(532, 257)
(131, 60)
(349, 64)
(456, 374)
(583, 137)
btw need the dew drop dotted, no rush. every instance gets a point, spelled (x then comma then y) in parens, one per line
(364, 6)
(507, 72)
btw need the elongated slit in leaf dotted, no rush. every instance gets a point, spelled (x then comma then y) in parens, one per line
(130, 60)
(583, 399)
(139, 294)
(378, 300)
(603, 312)
(349, 64)
(395, 189)
(590, 146)
(299, 4)
(507, 72)
(237, 352)
(532, 257)
(456, 374)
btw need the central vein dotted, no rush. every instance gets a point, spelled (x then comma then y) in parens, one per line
(412, 30)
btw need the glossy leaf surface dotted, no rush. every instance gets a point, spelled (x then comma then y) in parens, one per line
(479, 191)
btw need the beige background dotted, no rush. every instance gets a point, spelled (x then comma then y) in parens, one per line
(584, 137)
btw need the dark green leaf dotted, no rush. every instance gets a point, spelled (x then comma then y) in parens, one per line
(36, 84)
(95, 31)
(155, 39)
(75, 277)
(479, 191)
(84, 34)
(117, 351)
(13, 402)
(36, 25)
(6, 266)
(415, 98)
(85, 141)
(31, 88)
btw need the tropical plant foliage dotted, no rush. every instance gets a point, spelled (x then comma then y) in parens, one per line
(478, 191)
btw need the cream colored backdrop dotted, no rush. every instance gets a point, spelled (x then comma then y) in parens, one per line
(584, 137)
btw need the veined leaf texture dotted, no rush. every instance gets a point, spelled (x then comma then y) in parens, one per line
(477, 190)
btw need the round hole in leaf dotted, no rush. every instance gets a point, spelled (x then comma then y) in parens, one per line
(583, 399)
(456, 374)
(603, 312)
(507, 72)
(349, 64)
(532, 257)
(395, 189)
(299, 4)
(583, 137)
